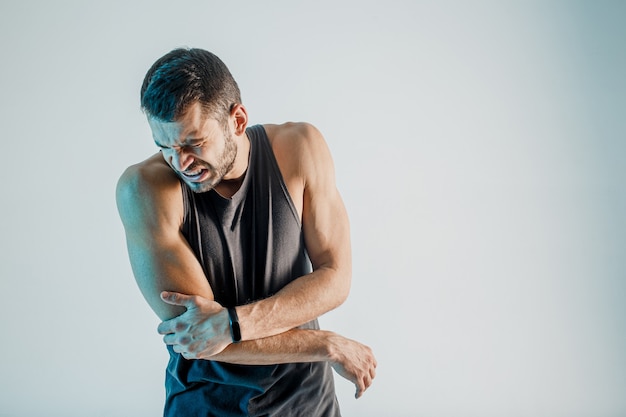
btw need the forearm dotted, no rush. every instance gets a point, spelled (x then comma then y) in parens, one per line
(303, 300)
(297, 345)
(350, 359)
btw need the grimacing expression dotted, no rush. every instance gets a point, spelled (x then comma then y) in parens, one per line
(201, 150)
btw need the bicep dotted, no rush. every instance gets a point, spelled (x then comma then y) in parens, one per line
(326, 229)
(324, 217)
(150, 206)
(166, 264)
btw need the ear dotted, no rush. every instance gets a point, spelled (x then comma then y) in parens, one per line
(239, 117)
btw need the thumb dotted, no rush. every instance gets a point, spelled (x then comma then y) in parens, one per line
(178, 299)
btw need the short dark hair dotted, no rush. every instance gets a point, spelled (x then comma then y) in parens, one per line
(185, 76)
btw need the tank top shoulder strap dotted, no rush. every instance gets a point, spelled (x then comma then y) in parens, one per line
(266, 164)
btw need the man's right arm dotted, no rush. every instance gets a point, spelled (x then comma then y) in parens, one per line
(149, 202)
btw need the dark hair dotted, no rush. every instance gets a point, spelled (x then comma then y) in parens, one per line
(185, 76)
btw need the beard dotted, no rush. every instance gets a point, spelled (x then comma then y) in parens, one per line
(225, 163)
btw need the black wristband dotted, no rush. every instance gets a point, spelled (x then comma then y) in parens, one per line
(235, 330)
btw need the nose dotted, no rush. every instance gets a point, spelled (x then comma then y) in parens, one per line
(178, 159)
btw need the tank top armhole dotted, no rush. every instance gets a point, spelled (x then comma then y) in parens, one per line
(190, 228)
(186, 203)
(267, 147)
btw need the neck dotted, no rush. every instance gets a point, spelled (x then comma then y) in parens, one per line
(232, 181)
(242, 159)
(228, 188)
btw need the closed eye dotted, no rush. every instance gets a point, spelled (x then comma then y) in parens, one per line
(161, 146)
(197, 144)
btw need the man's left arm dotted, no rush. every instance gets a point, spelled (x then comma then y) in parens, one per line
(308, 169)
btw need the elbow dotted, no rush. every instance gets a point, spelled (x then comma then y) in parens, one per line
(343, 284)
(334, 279)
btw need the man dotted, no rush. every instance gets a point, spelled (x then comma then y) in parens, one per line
(238, 240)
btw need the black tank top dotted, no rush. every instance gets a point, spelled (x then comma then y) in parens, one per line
(250, 246)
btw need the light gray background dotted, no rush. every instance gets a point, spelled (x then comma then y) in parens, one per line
(479, 147)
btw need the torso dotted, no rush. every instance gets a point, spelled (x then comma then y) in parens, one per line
(250, 246)
(284, 140)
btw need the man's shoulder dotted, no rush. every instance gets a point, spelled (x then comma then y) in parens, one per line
(151, 173)
(298, 139)
(293, 133)
(149, 182)
(300, 149)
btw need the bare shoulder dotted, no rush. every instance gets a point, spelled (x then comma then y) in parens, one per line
(149, 177)
(294, 135)
(149, 187)
(300, 148)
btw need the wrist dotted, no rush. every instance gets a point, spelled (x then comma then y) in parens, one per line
(332, 349)
(235, 329)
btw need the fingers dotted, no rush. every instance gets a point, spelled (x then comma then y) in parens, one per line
(367, 379)
(172, 326)
(359, 391)
(178, 299)
(373, 370)
(173, 339)
(181, 349)
(200, 332)
(182, 345)
(356, 363)
(363, 384)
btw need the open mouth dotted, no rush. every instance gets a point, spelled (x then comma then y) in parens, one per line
(195, 175)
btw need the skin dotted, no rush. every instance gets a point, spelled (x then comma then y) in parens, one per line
(208, 154)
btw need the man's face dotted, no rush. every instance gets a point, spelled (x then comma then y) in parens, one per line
(198, 148)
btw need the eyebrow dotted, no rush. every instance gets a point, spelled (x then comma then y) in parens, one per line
(188, 141)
